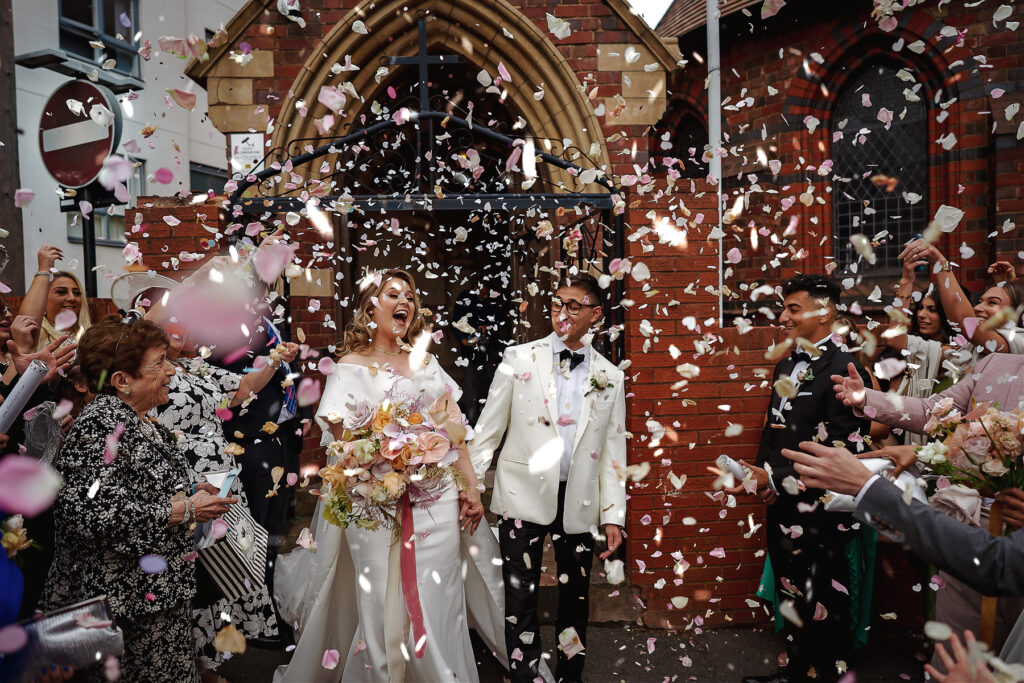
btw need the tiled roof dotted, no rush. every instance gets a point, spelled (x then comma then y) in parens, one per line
(684, 16)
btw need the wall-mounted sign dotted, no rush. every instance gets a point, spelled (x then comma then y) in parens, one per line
(246, 152)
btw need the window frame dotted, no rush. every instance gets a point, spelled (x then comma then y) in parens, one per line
(115, 47)
(206, 169)
(884, 272)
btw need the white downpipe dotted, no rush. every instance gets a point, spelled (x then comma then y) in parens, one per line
(715, 131)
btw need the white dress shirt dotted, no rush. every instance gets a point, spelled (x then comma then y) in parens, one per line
(570, 386)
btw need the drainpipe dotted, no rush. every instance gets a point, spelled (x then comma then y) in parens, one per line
(715, 130)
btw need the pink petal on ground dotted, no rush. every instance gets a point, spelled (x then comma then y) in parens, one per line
(66, 319)
(218, 528)
(23, 197)
(163, 176)
(308, 392)
(270, 259)
(331, 659)
(184, 99)
(27, 486)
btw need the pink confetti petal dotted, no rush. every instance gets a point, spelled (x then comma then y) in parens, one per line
(717, 552)
(734, 255)
(12, 639)
(184, 99)
(85, 208)
(820, 613)
(308, 392)
(771, 7)
(270, 259)
(152, 564)
(23, 197)
(171, 221)
(565, 421)
(325, 366)
(218, 528)
(27, 486)
(971, 326)
(65, 320)
(839, 587)
(292, 479)
(331, 659)
(224, 414)
(332, 98)
(163, 176)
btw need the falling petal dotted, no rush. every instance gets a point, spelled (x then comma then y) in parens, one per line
(218, 528)
(229, 639)
(184, 99)
(308, 392)
(27, 486)
(163, 176)
(330, 659)
(152, 564)
(65, 320)
(12, 639)
(23, 197)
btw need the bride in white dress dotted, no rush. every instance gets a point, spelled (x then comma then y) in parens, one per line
(342, 593)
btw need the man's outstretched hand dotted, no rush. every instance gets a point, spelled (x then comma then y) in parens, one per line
(827, 467)
(850, 388)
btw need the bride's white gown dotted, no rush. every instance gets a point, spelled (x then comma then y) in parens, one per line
(335, 598)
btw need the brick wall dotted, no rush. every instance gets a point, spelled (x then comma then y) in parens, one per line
(808, 53)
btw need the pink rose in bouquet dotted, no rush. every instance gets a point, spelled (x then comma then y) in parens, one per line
(432, 447)
(360, 415)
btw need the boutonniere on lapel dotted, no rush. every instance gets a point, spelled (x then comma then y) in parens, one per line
(806, 375)
(598, 381)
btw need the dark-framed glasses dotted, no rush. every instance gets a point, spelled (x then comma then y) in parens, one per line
(572, 306)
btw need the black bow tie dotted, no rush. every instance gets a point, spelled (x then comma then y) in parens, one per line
(799, 355)
(573, 358)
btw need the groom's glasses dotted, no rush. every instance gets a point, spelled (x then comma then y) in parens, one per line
(572, 306)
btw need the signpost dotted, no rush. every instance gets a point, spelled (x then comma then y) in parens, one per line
(74, 146)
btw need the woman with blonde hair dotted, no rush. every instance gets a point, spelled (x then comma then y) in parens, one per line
(51, 293)
(343, 598)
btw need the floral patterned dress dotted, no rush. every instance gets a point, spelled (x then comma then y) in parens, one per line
(197, 390)
(108, 516)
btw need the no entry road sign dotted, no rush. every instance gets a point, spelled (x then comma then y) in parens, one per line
(73, 145)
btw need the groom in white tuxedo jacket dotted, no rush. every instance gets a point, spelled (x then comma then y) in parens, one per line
(561, 408)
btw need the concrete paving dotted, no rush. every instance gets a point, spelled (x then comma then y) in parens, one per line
(633, 654)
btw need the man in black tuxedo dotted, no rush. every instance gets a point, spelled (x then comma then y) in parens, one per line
(805, 542)
(269, 428)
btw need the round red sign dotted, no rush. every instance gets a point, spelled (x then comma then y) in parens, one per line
(80, 127)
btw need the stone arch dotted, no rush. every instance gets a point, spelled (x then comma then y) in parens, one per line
(474, 32)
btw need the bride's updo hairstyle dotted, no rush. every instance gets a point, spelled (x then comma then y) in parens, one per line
(359, 332)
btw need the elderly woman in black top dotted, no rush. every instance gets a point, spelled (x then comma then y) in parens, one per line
(128, 496)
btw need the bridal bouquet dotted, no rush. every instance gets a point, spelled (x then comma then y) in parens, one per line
(390, 450)
(981, 449)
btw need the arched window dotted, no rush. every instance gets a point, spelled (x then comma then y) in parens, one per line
(881, 165)
(682, 135)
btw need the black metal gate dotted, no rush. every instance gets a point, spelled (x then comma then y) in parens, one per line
(426, 154)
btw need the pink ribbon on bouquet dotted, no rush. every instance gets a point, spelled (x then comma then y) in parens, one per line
(410, 589)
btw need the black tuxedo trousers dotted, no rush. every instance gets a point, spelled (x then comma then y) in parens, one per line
(522, 550)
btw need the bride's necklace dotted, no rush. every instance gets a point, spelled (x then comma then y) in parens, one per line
(386, 352)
